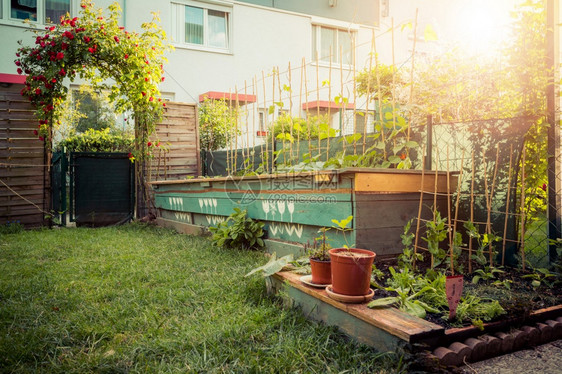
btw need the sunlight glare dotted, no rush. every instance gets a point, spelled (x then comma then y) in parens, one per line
(484, 24)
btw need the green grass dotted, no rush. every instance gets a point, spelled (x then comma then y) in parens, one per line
(144, 299)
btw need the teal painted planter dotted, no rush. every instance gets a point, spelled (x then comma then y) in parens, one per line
(295, 206)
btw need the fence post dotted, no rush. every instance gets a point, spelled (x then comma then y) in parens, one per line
(429, 143)
(553, 131)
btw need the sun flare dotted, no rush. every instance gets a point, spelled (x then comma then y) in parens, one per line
(483, 25)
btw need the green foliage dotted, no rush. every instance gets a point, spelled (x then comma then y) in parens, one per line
(217, 124)
(418, 295)
(484, 242)
(11, 227)
(474, 308)
(407, 258)
(436, 232)
(97, 141)
(96, 110)
(379, 82)
(541, 277)
(486, 274)
(320, 246)
(238, 231)
(273, 266)
(289, 129)
(410, 289)
(94, 47)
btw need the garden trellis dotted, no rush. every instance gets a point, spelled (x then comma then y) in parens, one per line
(320, 116)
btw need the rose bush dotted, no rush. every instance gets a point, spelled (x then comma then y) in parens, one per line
(94, 47)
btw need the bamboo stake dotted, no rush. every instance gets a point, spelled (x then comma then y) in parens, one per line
(507, 204)
(247, 115)
(436, 177)
(254, 131)
(435, 196)
(283, 140)
(290, 115)
(523, 176)
(318, 102)
(459, 183)
(369, 88)
(490, 250)
(379, 95)
(266, 124)
(343, 108)
(471, 215)
(488, 208)
(307, 111)
(393, 80)
(300, 106)
(450, 224)
(273, 156)
(236, 131)
(419, 210)
(229, 150)
(354, 56)
(412, 77)
(329, 104)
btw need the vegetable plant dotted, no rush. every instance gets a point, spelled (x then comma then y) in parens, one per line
(238, 231)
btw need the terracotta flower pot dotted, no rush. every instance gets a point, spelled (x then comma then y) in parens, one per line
(321, 271)
(351, 270)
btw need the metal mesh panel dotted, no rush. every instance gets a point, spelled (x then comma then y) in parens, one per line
(488, 156)
(103, 192)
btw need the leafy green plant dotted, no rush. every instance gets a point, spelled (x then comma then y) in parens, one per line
(486, 274)
(11, 227)
(290, 128)
(341, 226)
(217, 121)
(474, 308)
(238, 231)
(273, 266)
(541, 277)
(129, 65)
(484, 241)
(97, 141)
(408, 298)
(436, 232)
(408, 256)
(320, 246)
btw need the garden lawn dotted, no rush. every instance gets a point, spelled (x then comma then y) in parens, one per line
(137, 298)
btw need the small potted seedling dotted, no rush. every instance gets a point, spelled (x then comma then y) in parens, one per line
(320, 264)
(351, 267)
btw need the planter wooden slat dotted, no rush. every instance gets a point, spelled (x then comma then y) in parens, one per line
(295, 206)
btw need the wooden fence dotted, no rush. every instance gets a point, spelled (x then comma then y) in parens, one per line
(24, 174)
(178, 156)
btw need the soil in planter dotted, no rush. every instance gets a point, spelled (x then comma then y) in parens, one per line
(518, 301)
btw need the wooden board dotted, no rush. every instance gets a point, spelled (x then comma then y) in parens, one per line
(402, 182)
(391, 321)
(178, 133)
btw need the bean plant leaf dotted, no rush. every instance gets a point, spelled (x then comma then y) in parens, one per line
(429, 33)
(383, 302)
(273, 266)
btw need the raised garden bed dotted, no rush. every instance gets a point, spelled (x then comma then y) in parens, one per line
(389, 328)
(294, 206)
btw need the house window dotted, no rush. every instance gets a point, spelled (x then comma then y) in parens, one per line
(202, 25)
(332, 44)
(47, 11)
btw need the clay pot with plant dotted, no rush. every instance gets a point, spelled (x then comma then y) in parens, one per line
(351, 267)
(320, 264)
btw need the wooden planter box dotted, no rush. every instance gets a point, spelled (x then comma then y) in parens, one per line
(295, 206)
